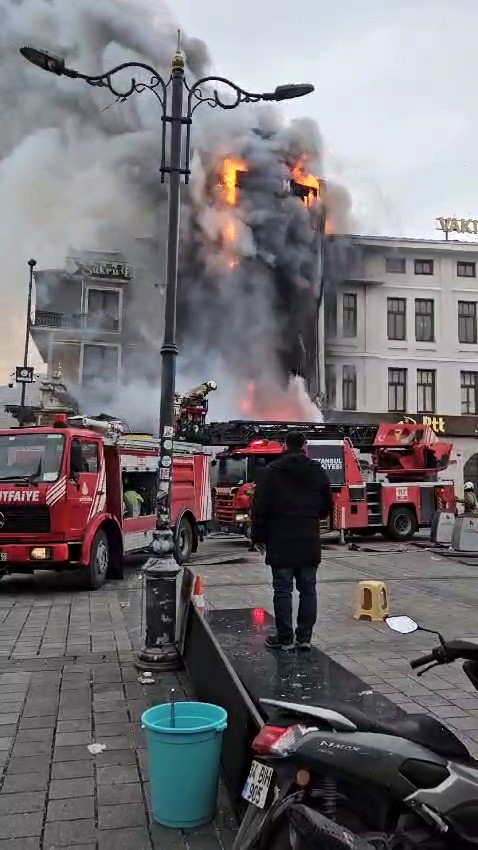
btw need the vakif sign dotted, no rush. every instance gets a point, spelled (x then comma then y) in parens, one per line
(463, 226)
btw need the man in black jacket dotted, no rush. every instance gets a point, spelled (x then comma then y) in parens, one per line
(291, 497)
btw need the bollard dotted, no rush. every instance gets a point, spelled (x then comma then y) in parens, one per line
(160, 651)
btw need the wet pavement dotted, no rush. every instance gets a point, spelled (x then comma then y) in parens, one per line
(308, 678)
(67, 679)
(438, 592)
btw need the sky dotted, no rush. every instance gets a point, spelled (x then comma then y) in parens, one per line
(395, 93)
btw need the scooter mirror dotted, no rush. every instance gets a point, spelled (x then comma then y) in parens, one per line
(404, 625)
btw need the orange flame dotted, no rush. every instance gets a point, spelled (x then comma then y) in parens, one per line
(228, 183)
(273, 405)
(300, 175)
(229, 178)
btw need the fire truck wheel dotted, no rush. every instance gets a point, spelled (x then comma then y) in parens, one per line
(401, 524)
(184, 541)
(99, 561)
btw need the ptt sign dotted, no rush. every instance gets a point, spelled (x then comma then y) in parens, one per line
(436, 423)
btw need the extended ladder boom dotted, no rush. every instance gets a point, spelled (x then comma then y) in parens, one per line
(240, 432)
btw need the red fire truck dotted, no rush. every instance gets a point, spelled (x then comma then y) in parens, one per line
(61, 497)
(399, 495)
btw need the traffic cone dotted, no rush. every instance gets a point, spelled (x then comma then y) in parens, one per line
(198, 595)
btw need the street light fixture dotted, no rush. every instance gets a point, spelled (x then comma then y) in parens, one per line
(161, 569)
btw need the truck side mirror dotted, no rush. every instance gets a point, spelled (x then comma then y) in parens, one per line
(76, 460)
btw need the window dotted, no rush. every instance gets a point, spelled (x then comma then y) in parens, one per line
(423, 266)
(103, 308)
(395, 265)
(396, 318)
(330, 386)
(100, 362)
(86, 454)
(350, 315)
(469, 392)
(349, 388)
(467, 322)
(397, 390)
(426, 384)
(34, 457)
(424, 320)
(466, 269)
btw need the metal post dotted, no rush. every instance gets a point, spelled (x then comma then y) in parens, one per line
(32, 264)
(161, 570)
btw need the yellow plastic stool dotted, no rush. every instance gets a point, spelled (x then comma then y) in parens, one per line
(371, 601)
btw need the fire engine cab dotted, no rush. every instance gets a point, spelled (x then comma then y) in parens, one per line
(395, 492)
(62, 502)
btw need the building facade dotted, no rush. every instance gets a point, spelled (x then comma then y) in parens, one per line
(97, 320)
(402, 338)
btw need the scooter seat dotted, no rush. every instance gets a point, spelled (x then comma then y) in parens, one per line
(430, 733)
(419, 728)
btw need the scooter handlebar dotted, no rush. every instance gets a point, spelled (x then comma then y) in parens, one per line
(453, 650)
(423, 659)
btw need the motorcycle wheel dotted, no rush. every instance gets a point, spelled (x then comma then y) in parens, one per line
(250, 827)
(250, 836)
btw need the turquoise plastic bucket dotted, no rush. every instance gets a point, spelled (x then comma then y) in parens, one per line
(184, 761)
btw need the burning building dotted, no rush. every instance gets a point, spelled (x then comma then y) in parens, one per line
(252, 270)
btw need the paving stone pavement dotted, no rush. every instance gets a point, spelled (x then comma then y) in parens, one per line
(438, 592)
(67, 679)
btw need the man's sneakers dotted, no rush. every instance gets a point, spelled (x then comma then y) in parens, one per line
(303, 645)
(274, 642)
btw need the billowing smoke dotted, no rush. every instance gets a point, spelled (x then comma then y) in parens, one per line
(79, 171)
(76, 172)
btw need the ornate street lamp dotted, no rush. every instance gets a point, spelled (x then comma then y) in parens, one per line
(161, 569)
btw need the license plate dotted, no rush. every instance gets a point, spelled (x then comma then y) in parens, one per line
(257, 785)
(3, 556)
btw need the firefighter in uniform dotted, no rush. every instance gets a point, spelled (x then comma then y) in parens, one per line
(469, 500)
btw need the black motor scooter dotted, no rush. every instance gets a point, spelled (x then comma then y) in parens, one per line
(336, 779)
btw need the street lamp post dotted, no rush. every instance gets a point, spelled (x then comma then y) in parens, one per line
(160, 650)
(32, 264)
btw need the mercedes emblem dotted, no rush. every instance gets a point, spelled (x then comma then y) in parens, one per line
(2, 520)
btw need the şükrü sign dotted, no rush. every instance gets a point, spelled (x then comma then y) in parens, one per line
(108, 270)
(465, 226)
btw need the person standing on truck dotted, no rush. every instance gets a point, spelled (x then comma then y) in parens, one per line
(292, 495)
(469, 500)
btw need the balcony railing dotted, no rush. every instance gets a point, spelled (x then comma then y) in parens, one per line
(75, 321)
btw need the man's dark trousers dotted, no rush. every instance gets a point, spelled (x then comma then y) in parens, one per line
(283, 584)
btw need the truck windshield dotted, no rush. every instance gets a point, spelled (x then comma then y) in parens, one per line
(31, 457)
(232, 471)
(331, 459)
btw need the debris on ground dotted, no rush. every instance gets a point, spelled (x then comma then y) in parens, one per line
(96, 749)
(146, 678)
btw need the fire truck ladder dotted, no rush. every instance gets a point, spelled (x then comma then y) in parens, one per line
(240, 433)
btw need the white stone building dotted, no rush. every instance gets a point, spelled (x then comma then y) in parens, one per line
(402, 337)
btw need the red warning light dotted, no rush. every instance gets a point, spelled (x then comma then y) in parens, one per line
(259, 616)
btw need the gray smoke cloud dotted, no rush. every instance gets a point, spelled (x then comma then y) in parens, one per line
(75, 170)
(80, 171)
